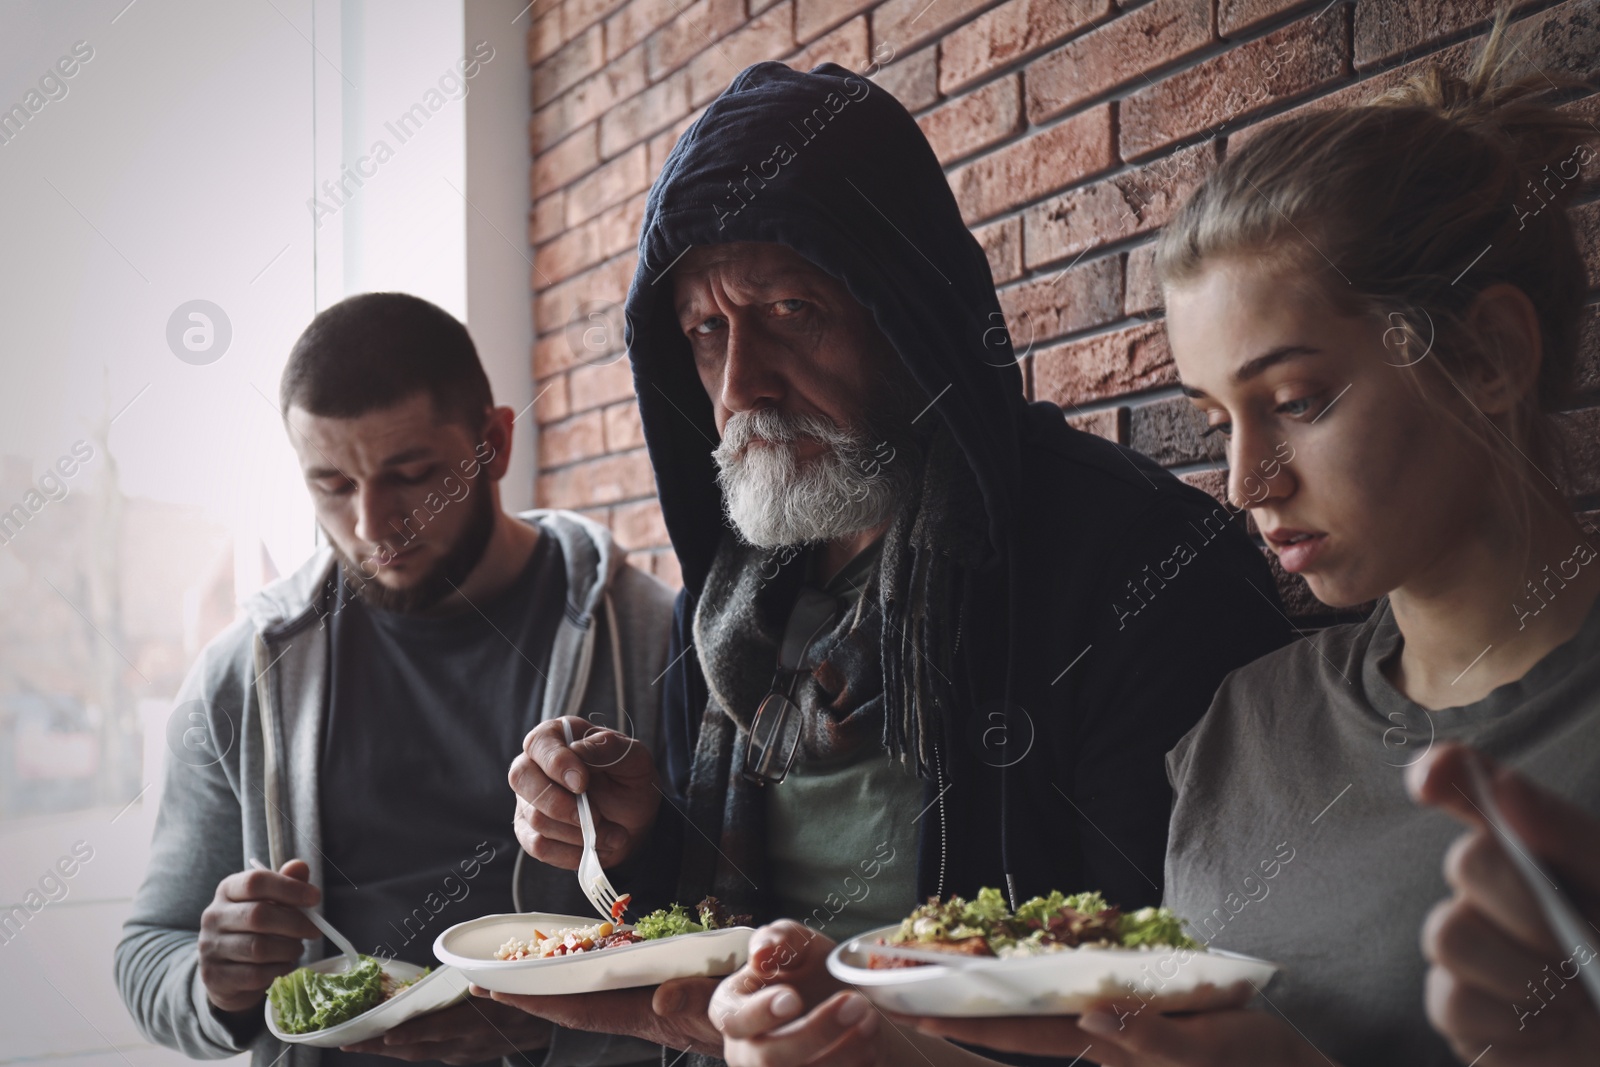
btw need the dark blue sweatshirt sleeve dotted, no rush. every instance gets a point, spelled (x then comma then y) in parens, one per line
(684, 700)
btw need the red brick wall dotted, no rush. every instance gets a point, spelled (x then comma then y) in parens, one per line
(1069, 129)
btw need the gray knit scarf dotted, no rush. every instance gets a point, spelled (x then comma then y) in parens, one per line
(880, 675)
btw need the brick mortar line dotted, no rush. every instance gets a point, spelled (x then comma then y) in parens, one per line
(921, 42)
(1220, 46)
(587, 270)
(706, 47)
(1104, 329)
(558, 10)
(1010, 68)
(1279, 19)
(1122, 90)
(1124, 167)
(1434, 44)
(1054, 266)
(1286, 18)
(982, 152)
(1021, 63)
(556, 101)
(1140, 399)
(1080, 262)
(652, 82)
(583, 412)
(570, 464)
(1028, 130)
(1087, 333)
(1198, 467)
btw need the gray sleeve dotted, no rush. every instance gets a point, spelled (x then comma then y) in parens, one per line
(644, 617)
(644, 609)
(1177, 759)
(198, 841)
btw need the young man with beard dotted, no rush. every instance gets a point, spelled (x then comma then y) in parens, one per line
(352, 729)
(943, 645)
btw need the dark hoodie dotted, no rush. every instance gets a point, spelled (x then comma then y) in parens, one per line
(1107, 678)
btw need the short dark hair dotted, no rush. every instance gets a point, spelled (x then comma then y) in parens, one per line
(374, 350)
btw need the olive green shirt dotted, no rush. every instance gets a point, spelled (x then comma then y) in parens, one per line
(841, 833)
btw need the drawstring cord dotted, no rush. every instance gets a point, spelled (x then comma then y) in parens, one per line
(1005, 762)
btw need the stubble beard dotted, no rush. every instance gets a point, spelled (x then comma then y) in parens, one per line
(445, 576)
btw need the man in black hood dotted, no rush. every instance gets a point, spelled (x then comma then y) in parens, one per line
(931, 638)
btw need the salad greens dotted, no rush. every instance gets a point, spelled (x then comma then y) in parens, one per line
(307, 1000)
(956, 919)
(1154, 926)
(670, 922)
(986, 926)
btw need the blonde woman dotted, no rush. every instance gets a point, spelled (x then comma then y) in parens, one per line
(1391, 295)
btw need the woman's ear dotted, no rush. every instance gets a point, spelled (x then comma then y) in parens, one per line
(1507, 323)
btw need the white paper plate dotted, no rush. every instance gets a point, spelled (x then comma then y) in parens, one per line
(1059, 983)
(440, 989)
(470, 947)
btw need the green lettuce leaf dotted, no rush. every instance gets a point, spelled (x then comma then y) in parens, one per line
(1154, 926)
(1090, 903)
(985, 910)
(667, 923)
(1041, 909)
(306, 1000)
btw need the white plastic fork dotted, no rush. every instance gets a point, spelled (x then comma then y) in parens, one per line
(591, 877)
(340, 942)
(1564, 919)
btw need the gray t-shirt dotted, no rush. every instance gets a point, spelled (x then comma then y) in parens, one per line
(1293, 838)
(426, 715)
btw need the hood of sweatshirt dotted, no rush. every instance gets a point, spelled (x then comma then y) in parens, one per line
(835, 168)
(592, 557)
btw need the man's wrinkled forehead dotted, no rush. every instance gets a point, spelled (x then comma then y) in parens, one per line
(753, 265)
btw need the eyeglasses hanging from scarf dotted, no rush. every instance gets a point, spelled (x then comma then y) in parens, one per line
(774, 735)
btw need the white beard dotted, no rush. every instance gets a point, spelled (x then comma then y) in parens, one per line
(774, 500)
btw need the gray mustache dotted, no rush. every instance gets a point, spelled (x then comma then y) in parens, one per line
(778, 427)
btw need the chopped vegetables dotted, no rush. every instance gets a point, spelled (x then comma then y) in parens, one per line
(984, 926)
(567, 941)
(668, 922)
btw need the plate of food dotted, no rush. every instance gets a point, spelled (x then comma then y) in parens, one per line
(1054, 955)
(329, 1003)
(538, 953)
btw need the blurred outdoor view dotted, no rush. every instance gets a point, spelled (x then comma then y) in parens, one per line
(161, 256)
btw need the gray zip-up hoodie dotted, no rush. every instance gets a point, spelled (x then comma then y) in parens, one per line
(249, 785)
